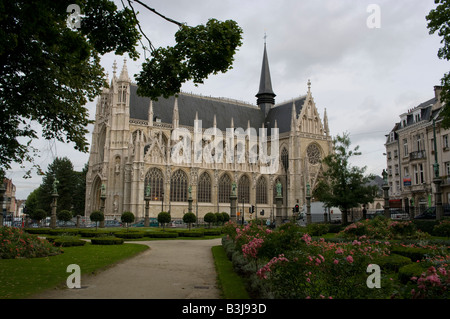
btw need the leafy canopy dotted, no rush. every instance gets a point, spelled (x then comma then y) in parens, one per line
(438, 21)
(48, 71)
(344, 186)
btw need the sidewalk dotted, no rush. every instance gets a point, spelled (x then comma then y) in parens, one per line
(170, 269)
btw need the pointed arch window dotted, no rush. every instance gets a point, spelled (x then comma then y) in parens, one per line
(224, 188)
(285, 159)
(244, 189)
(178, 186)
(204, 188)
(155, 178)
(261, 191)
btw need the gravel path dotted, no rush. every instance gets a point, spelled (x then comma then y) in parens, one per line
(170, 269)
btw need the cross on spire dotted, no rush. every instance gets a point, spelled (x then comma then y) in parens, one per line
(265, 37)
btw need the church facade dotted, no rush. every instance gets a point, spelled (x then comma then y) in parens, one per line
(135, 153)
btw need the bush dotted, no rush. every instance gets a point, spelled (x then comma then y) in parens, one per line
(317, 229)
(210, 218)
(405, 273)
(95, 233)
(164, 218)
(425, 226)
(162, 234)
(392, 262)
(63, 231)
(442, 229)
(212, 232)
(15, 243)
(38, 231)
(413, 253)
(107, 241)
(67, 241)
(194, 233)
(129, 235)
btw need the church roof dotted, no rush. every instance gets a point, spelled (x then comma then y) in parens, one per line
(282, 114)
(189, 105)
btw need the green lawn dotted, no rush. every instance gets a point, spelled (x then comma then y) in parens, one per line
(230, 283)
(21, 278)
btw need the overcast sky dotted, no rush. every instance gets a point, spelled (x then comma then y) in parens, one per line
(364, 77)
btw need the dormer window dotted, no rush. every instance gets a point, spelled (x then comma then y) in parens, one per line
(417, 117)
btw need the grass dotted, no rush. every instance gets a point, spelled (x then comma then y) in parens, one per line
(22, 278)
(230, 283)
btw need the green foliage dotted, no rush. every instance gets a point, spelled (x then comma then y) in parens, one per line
(97, 216)
(107, 241)
(393, 262)
(443, 229)
(343, 185)
(53, 71)
(189, 218)
(15, 243)
(162, 234)
(199, 51)
(38, 214)
(438, 22)
(127, 217)
(67, 241)
(64, 215)
(225, 217)
(130, 235)
(210, 218)
(164, 218)
(219, 218)
(409, 271)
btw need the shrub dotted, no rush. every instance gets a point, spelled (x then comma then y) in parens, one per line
(412, 270)
(164, 218)
(38, 231)
(194, 233)
(212, 232)
(393, 262)
(67, 241)
(210, 218)
(425, 226)
(15, 243)
(442, 229)
(413, 253)
(95, 233)
(162, 234)
(189, 218)
(109, 240)
(317, 229)
(64, 215)
(62, 231)
(97, 216)
(129, 235)
(127, 217)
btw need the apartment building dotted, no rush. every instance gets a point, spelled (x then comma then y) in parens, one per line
(411, 154)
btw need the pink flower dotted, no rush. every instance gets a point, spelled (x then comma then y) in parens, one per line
(349, 259)
(339, 251)
(336, 261)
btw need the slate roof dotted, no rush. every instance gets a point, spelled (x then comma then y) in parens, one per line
(206, 107)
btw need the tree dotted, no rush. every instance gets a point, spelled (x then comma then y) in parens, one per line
(97, 216)
(38, 214)
(225, 217)
(32, 202)
(127, 217)
(189, 218)
(210, 218)
(343, 185)
(51, 66)
(62, 170)
(64, 215)
(164, 218)
(438, 22)
(219, 218)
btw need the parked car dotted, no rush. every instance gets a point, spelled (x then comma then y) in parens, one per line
(430, 213)
(113, 223)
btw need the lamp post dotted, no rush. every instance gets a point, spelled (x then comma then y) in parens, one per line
(102, 204)
(279, 202)
(385, 187)
(308, 204)
(147, 205)
(54, 203)
(2, 194)
(437, 180)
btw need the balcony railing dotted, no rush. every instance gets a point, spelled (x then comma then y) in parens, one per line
(417, 155)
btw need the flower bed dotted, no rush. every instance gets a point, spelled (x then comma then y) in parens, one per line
(289, 263)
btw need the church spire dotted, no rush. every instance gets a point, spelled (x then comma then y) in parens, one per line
(266, 97)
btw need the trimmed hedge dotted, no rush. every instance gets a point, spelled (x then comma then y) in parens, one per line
(212, 232)
(393, 262)
(412, 270)
(62, 231)
(107, 241)
(67, 241)
(192, 233)
(162, 234)
(413, 253)
(129, 235)
(37, 231)
(95, 233)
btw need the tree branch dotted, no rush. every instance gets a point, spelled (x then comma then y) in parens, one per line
(156, 12)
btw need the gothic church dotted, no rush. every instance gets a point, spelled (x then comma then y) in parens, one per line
(131, 152)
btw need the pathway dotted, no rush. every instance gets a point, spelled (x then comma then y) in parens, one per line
(170, 269)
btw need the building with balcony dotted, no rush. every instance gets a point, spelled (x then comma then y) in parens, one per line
(411, 154)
